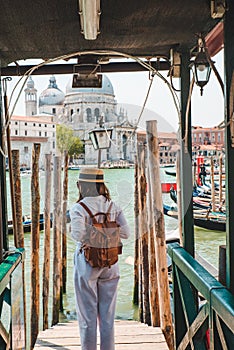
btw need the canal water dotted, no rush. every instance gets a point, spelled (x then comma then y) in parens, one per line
(121, 185)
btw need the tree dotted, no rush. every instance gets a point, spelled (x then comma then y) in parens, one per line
(66, 141)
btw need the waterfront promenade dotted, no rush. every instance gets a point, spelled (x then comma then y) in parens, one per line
(129, 335)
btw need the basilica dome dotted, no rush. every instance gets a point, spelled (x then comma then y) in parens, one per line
(106, 89)
(52, 95)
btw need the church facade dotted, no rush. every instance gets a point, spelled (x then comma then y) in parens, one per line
(82, 109)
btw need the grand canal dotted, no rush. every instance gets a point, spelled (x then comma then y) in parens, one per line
(121, 185)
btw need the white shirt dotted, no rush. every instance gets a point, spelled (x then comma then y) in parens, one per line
(80, 217)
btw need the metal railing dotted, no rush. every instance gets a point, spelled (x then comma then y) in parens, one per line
(12, 327)
(203, 307)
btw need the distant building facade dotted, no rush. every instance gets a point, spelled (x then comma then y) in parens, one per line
(81, 109)
(167, 143)
(25, 131)
(207, 142)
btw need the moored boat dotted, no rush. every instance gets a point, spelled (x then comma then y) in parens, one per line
(211, 221)
(27, 224)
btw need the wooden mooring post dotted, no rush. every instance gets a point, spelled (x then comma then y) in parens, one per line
(35, 231)
(160, 242)
(136, 260)
(64, 223)
(47, 220)
(143, 238)
(151, 270)
(56, 240)
(153, 277)
(18, 232)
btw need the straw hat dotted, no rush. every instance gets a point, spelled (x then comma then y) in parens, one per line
(91, 175)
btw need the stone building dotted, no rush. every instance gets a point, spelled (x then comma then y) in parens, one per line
(207, 142)
(51, 100)
(25, 131)
(167, 144)
(82, 108)
(32, 128)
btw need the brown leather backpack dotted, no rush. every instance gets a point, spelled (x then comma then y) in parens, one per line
(103, 245)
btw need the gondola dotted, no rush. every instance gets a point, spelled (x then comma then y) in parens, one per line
(213, 223)
(170, 172)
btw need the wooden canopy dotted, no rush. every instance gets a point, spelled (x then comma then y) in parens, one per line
(49, 29)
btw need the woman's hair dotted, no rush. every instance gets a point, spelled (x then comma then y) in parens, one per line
(92, 189)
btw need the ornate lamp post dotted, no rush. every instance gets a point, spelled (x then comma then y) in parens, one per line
(101, 138)
(201, 66)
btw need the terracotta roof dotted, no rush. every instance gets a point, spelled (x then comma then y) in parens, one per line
(29, 139)
(32, 119)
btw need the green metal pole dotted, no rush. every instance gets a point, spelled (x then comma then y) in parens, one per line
(229, 133)
(186, 157)
(3, 233)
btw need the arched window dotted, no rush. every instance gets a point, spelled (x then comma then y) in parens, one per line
(97, 114)
(124, 139)
(107, 116)
(89, 115)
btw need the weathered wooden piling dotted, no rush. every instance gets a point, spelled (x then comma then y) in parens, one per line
(18, 231)
(64, 223)
(153, 278)
(213, 206)
(143, 235)
(160, 243)
(35, 231)
(56, 240)
(136, 259)
(220, 181)
(47, 227)
(11, 175)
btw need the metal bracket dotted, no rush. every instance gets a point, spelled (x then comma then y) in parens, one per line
(175, 63)
(217, 8)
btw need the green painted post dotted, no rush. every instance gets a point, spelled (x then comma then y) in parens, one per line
(229, 133)
(3, 233)
(186, 158)
(186, 204)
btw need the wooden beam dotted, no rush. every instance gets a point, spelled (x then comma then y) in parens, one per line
(214, 40)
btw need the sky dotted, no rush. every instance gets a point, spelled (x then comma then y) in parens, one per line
(131, 88)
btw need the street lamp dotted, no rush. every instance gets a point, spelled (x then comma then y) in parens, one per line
(201, 67)
(101, 138)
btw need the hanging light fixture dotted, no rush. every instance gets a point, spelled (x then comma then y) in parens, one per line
(201, 67)
(89, 11)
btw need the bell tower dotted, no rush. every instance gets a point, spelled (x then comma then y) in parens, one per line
(30, 98)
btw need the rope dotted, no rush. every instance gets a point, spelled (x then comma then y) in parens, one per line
(111, 53)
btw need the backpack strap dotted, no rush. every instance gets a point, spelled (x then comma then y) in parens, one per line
(88, 211)
(92, 216)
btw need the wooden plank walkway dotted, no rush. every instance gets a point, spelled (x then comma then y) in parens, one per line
(129, 335)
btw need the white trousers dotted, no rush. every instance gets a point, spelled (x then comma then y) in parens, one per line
(96, 292)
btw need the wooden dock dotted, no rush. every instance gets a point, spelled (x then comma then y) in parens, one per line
(129, 335)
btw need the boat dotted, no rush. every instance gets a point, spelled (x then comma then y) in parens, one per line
(120, 164)
(201, 199)
(73, 167)
(168, 186)
(27, 223)
(170, 172)
(210, 221)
